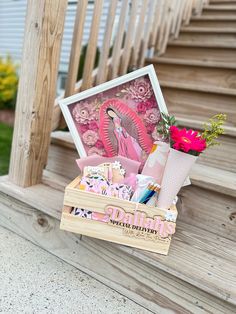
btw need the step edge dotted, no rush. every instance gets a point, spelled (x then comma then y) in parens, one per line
(198, 124)
(210, 30)
(216, 180)
(192, 62)
(219, 7)
(183, 43)
(211, 17)
(200, 88)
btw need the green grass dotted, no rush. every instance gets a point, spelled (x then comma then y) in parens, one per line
(5, 147)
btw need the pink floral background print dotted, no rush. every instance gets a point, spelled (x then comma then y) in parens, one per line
(137, 95)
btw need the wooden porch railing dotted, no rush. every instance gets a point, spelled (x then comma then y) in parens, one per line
(144, 27)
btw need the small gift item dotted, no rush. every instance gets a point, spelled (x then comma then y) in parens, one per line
(117, 172)
(142, 184)
(101, 169)
(151, 190)
(155, 163)
(99, 185)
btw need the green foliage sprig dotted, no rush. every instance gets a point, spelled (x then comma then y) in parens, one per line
(164, 126)
(213, 129)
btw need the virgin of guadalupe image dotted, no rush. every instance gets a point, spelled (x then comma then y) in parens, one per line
(122, 131)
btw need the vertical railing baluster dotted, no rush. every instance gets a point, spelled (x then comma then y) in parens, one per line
(147, 32)
(116, 51)
(138, 34)
(103, 61)
(76, 47)
(87, 80)
(129, 37)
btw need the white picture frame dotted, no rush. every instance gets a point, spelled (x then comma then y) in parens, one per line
(66, 102)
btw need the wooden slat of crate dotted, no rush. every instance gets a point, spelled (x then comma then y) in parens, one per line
(103, 231)
(97, 203)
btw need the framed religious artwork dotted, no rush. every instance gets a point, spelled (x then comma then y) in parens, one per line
(119, 117)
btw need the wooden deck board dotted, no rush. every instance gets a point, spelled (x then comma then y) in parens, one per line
(187, 249)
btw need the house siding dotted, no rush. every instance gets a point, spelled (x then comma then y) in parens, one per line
(12, 19)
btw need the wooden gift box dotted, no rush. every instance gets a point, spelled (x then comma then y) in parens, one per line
(133, 224)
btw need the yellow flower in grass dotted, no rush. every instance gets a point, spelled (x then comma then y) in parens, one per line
(8, 82)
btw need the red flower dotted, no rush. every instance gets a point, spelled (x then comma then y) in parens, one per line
(150, 104)
(93, 126)
(150, 128)
(99, 144)
(187, 140)
(141, 107)
(84, 127)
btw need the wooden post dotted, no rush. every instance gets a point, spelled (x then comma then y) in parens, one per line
(37, 88)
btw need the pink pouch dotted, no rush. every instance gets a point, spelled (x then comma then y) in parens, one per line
(130, 166)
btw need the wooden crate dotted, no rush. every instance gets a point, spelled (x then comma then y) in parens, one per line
(129, 223)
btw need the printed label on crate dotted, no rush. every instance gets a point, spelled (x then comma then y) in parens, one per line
(136, 224)
(139, 224)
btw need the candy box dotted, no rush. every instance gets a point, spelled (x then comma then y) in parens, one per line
(117, 220)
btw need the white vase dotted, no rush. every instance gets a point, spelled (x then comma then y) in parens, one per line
(176, 171)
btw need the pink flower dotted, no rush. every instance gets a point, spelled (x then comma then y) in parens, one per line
(90, 137)
(150, 104)
(141, 107)
(83, 113)
(152, 116)
(84, 127)
(99, 144)
(96, 151)
(93, 126)
(150, 128)
(187, 140)
(140, 90)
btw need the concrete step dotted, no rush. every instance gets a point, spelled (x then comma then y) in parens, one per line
(210, 54)
(153, 281)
